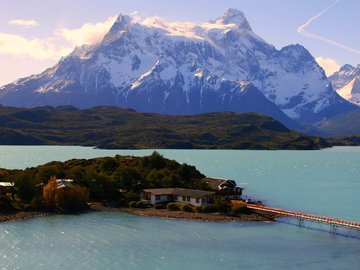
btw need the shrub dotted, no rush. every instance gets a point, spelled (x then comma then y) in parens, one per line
(199, 209)
(130, 196)
(159, 206)
(133, 204)
(141, 204)
(72, 199)
(209, 209)
(241, 209)
(222, 206)
(37, 203)
(172, 206)
(5, 203)
(187, 208)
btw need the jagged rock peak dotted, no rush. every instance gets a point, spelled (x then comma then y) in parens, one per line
(297, 51)
(234, 16)
(123, 19)
(122, 23)
(347, 67)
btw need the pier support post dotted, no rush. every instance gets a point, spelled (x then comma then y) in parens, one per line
(301, 222)
(333, 229)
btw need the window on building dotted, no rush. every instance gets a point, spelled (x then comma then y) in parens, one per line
(157, 197)
(184, 198)
(203, 200)
(176, 197)
(188, 198)
(197, 200)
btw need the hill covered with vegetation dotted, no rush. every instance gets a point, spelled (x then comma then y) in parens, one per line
(117, 180)
(342, 125)
(112, 127)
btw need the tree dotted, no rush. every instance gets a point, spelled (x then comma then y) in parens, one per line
(77, 173)
(25, 186)
(72, 198)
(154, 161)
(109, 165)
(46, 171)
(49, 191)
(128, 179)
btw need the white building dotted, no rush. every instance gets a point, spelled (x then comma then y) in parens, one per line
(192, 196)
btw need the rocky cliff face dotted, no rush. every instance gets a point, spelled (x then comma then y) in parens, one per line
(346, 82)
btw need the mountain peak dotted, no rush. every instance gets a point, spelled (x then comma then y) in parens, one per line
(347, 67)
(123, 19)
(234, 16)
(121, 24)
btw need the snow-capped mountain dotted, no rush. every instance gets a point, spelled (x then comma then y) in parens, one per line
(185, 68)
(346, 82)
(345, 75)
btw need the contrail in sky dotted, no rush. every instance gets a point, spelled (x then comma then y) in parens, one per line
(302, 30)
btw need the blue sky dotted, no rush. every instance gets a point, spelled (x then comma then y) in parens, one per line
(35, 33)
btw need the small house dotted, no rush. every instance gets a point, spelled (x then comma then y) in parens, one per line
(225, 188)
(7, 188)
(192, 196)
(64, 183)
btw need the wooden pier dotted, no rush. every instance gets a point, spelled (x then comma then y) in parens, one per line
(302, 217)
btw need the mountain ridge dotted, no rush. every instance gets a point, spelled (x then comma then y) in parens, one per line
(346, 83)
(157, 66)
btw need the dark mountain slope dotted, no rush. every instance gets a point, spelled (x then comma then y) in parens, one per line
(111, 127)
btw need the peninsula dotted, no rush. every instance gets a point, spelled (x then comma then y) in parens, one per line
(148, 186)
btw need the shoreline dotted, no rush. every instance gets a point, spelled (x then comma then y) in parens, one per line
(255, 216)
(21, 215)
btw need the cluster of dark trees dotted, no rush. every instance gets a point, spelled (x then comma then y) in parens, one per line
(116, 180)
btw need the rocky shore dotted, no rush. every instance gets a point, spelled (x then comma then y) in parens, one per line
(179, 215)
(151, 212)
(17, 216)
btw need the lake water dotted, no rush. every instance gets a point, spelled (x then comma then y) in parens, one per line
(322, 182)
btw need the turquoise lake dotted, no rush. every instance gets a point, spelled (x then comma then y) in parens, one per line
(325, 182)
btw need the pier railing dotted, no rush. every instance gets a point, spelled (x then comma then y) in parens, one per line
(333, 222)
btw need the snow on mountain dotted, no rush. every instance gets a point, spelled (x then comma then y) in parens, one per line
(185, 68)
(351, 91)
(344, 76)
(346, 82)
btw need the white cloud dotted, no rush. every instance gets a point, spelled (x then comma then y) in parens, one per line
(136, 18)
(39, 49)
(24, 23)
(89, 33)
(328, 64)
(60, 44)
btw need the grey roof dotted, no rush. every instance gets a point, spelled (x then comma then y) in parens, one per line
(214, 183)
(196, 193)
(160, 191)
(64, 183)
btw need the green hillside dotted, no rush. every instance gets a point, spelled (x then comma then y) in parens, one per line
(112, 127)
(344, 124)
